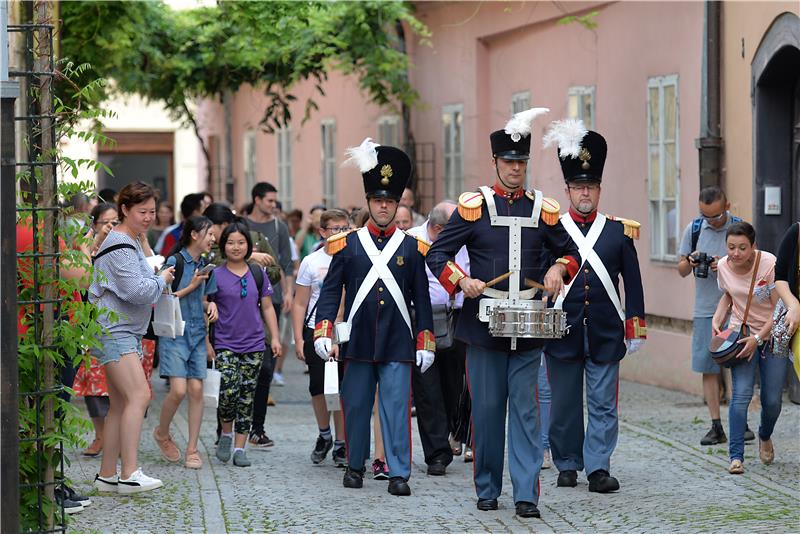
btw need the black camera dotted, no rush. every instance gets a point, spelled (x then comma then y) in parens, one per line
(702, 262)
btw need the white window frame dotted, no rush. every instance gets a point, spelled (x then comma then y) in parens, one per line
(284, 162)
(659, 217)
(328, 157)
(249, 155)
(454, 180)
(392, 122)
(579, 91)
(520, 102)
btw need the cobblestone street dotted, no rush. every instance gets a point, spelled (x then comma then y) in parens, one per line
(669, 482)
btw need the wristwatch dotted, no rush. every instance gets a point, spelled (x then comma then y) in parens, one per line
(759, 341)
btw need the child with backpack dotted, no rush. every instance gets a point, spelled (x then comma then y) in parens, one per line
(183, 359)
(244, 304)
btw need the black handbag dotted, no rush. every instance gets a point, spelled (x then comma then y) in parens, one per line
(443, 327)
(725, 347)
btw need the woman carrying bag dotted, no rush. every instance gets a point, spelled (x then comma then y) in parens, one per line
(787, 285)
(746, 267)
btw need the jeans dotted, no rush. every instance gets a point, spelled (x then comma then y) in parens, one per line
(544, 403)
(773, 375)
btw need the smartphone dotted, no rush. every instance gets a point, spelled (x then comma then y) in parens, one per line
(207, 269)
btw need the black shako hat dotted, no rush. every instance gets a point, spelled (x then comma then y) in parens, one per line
(390, 176)
(588, 165)
(514, 141)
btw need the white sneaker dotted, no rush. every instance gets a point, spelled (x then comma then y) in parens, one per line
(546, 461)
(137, 483)
(106, 484)
(277, 379)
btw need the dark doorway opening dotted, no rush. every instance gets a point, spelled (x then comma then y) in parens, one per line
(139, 156)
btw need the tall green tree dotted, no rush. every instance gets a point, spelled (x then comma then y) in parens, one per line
(180, 57)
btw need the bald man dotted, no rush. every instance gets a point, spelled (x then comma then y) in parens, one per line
(438, 392)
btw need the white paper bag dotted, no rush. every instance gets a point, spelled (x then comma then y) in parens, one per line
(331, 386)
(211, 387)
(167, 309)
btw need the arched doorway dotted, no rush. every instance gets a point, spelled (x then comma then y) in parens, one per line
(776, 130)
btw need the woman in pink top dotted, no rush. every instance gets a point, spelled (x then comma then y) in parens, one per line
(734, 275)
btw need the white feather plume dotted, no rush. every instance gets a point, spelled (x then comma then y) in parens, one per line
(521, 122)
(364, 157)
(568, 134)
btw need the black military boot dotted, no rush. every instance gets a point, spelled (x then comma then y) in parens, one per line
(353, 478)
(567, 479)
(399, 486)
(601, 482)
(527, 509)
(485, 505)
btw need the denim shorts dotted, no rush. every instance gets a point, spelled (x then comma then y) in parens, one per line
(113, 347)
(701, 338)
(186, 355)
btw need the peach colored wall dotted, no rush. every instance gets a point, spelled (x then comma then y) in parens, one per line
(747, 21)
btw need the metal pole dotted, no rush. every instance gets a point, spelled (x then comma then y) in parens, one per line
(709, 144)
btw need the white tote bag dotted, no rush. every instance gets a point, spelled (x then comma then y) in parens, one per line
(211, 386)
(331, 386)
(167, 309)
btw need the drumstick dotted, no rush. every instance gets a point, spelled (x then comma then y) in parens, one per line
(534, 283)
(500, 278)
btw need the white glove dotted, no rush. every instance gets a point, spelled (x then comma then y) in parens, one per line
(322, 346)
(424, 360)
(634, 345)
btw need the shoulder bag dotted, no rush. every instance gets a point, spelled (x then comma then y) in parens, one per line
(725, 346)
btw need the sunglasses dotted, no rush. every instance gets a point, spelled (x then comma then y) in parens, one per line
(337, 229)
(714, 218)
(243, 281)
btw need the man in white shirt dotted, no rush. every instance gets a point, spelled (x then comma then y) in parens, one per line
(439, 393)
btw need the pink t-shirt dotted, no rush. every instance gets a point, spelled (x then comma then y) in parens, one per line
(738, 286)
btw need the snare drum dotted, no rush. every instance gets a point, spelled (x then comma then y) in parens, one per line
(523, 319)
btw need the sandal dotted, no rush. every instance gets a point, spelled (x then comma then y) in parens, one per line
(736, 467)
(193, 460)
(767, 455)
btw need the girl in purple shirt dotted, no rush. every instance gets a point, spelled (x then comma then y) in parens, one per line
(239, 338)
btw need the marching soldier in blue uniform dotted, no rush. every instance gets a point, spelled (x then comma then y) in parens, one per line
(505, 230)
(600, 330)
(382, 271)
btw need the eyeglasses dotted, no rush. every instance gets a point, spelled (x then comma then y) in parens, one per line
(243, 281)
(715, 218)
(337, 229)
(591, 188)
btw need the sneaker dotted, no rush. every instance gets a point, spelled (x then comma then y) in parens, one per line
(714, 436)
(72, 495)
(169, 451)
(94, 449)
(321, 449)
(260, 440)
(240, 459)
(380, 471)
(748, 434)
(339, 457)
(137, 483)
(547, 461)
(70, 506)
(106, 484)
(277, 379)
(468, 455)
(224, 448)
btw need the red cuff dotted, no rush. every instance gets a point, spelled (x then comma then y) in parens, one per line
(451, 275)
(635, 328)
(323, 329)
(572, 266)
(426, 341)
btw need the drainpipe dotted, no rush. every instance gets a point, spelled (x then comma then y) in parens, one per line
(226, 109)
(709, 144)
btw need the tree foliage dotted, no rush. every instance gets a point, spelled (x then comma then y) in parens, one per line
(181, 56)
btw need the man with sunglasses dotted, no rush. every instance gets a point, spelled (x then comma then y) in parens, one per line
(600, 332)
(706, 234)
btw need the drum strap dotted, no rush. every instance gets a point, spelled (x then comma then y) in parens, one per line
(380, 270)
(586, 249)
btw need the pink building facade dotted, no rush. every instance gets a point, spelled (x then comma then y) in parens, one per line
(635, 77)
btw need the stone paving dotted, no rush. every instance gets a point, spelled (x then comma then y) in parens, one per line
(669, 482)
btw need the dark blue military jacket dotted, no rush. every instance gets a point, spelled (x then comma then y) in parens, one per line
(378, 332)
(588, 299)
(487, 247)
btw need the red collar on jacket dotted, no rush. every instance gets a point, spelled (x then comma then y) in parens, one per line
(377, 232)
(514, 195)
(580, 217)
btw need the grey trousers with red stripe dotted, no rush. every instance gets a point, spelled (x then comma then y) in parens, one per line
(394, 397)
(497, 378)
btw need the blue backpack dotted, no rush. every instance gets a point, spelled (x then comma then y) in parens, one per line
(697, 224)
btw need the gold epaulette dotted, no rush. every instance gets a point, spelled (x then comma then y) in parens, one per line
(550, 210)
(470, 205)
(631, 227)
(337, 242)
(422, 246)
